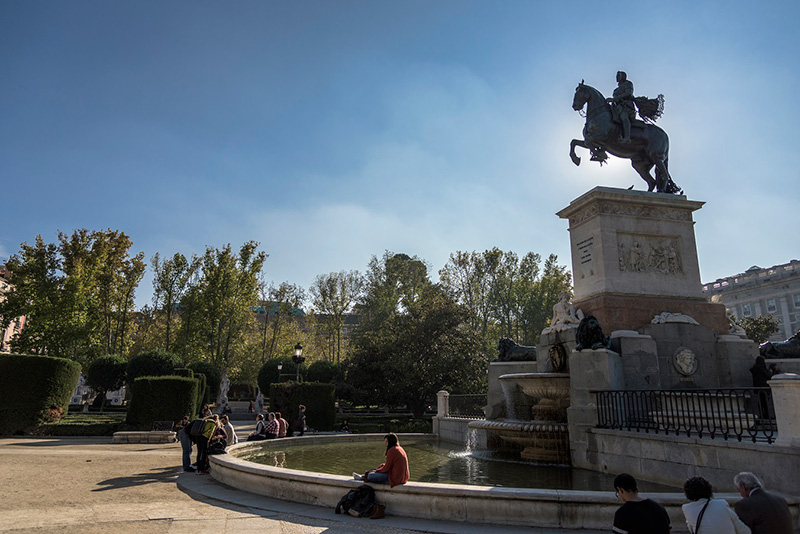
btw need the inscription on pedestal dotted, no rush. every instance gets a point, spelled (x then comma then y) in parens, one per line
(585, 249)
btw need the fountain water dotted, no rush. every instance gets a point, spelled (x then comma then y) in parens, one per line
(542, 430)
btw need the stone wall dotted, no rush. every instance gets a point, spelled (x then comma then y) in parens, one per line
(673, 459)
(451, 429)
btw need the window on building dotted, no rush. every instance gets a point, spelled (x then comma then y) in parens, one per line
(797, 301)
(746, 310)
(771, 305)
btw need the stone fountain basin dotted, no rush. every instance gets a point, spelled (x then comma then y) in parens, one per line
(541, 385)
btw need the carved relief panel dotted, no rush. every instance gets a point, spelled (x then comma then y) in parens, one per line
(649, 254)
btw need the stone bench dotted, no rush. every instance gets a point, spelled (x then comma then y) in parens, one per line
(143, 436)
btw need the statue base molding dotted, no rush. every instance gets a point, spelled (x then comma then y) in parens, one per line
(617, 311)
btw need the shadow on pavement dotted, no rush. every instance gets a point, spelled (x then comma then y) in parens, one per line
(160, 475)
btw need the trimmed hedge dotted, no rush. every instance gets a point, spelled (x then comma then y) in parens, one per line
(161, 398)
(325, 371)
(319, 400)
(269, 374)
(34, 390)
(213, 379)
(201, 389)
(184, 371)
(152, 363)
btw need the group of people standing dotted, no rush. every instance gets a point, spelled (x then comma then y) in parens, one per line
(212, 434)
(759, 512)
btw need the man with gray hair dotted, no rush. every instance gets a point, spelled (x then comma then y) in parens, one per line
(763, 512)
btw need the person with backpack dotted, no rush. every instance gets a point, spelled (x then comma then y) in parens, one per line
(209, 427)
(394, 471)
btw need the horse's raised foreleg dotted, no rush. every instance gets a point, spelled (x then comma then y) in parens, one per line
(576, 142)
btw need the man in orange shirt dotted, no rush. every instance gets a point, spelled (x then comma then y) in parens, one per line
(394, 471)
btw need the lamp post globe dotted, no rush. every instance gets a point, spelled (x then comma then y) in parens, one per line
(298, 359)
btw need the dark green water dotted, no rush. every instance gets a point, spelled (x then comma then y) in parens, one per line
(432, 462)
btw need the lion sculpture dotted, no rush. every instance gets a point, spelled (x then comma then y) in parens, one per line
(511, 352)
(590, 335)
(783, 349)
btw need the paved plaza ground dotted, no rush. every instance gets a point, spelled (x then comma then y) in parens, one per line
(88, 485)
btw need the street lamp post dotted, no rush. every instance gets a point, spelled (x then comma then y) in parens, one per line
(280, 367)
(298, 358)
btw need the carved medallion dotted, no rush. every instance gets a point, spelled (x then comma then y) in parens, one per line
(558, 357)
(685, 361)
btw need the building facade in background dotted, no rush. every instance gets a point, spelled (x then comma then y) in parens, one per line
(774, 290)
(8, 333)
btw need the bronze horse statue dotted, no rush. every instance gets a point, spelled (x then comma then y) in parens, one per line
(649, 146)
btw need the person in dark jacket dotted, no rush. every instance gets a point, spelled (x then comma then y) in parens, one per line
(761, 374)
(763, 512)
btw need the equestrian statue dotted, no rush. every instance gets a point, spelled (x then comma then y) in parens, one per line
(611, 127)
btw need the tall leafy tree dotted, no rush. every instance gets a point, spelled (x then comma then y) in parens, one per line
(334, 295)
(77, 294)
(223, 301)
(282, 304)
(171, 280)
(416, 339)
(508, 297)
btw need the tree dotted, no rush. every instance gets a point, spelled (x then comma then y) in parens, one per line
(269, 372)
(77, 294)
(281, 303)
(221, 304)
(152, 363)
(106, 373)
(416, 341)
(334, 295)
(508, 297)
(213, 378)
(760, 328)
(171, 279)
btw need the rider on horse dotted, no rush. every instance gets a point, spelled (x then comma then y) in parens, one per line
(622, 109)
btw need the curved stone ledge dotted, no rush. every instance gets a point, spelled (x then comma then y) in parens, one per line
(475, 504)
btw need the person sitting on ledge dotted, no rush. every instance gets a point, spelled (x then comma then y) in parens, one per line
(637, 515)
(258, 434)
(714, 515)
(271, 429)
(394, 471)
(762, 511)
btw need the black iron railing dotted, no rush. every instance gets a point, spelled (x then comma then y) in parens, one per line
(467, 406)
(738, 413)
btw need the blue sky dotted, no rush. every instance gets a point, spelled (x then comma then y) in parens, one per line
(330, 131)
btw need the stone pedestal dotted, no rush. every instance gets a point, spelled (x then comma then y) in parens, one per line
(496, 397)
(634, 256)
(590, 370)
(549, 342)
(786, 397)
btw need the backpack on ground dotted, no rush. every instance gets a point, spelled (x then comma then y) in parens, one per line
(359, 502)
(217, 447)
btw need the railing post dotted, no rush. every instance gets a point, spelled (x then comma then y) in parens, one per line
(443, 404)
(786, 397)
